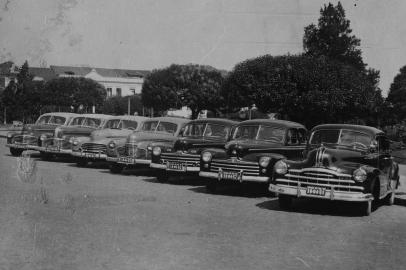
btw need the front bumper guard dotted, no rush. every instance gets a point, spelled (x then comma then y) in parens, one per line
(243, 178)
(128, 160)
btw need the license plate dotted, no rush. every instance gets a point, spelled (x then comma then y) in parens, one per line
(176, 166)
(227, 175)
(53, 149)
(318, 191)
(126, 160)
(90, 155)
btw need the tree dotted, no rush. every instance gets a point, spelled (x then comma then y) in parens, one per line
(75, 92)
(119, 105)
(302, 88)
(332, 37)
(194, 86)
(397, 95)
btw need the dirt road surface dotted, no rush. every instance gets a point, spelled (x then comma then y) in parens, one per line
(86, 218)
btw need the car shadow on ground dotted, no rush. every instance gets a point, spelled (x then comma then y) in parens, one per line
(179, 180)
(321, 207)
(246, 190)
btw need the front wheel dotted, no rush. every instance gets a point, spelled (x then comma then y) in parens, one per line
(211, 185)
(81, 162)
(16, 152)
(367, 208)
(162, 177)
(285, 202)
(116, 168)
(45, 156)
(390, 198)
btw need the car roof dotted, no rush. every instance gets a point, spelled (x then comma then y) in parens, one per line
(283, 123)
(60, 114)
(176, 120)
(96, 115)
(215, 120)
(130, 117)
(360, 128)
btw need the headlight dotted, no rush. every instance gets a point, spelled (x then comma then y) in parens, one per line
(112, 145)
(156, 151)
(360, 175)
(71, 140)
(9, 135)
(281, 167)
(206, 156)
(149, 148)
(75, 142)
(264, 161)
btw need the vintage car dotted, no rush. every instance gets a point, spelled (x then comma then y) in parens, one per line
(61, 142)
(184, 156)
(136, 149)
(94, 147)
(255, 147)
(29, 137)
(344, 163)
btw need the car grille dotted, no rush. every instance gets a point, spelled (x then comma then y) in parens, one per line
(248, 168)
(25, 139)
(320, 177)
(61, 143)
(94, 148)
(132, 150)
(188, 159)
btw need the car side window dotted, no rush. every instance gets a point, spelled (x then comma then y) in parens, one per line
(383, 144)
(292, 137)
(302, 136)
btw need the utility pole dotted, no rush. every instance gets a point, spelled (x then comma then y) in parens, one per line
(5, 115)
(129, 105)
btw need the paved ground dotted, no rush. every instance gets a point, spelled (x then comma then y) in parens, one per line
(87, 218)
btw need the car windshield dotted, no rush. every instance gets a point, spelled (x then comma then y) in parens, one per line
(77, 121)
(113, 124)
(43, 120)
(91, 122)
(159, 126)
(57, 120)
(260, 132)
(206, 130)
(341, 137)
(129, 124)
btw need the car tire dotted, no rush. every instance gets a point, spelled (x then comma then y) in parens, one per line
(116, 168)
(45, 156)
(285, 202)
(162, 177)
(390, 198)
(367, 208)
(211, 186)
(81, 162)
(16, 152)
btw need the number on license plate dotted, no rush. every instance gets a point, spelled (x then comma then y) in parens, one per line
(126, 160)
(90, 155)
(176, 166)
(318, 191)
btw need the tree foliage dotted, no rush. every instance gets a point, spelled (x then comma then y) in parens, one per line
(119, 105)
(303, 88)
(75, 92)
(332, 37)
(397, 95)
(194, 86)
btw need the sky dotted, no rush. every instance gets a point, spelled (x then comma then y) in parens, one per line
(151, 34)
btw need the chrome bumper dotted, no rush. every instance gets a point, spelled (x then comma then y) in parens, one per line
(244, 178)
(128, 160)
(165, 167)
(329, 194)
(22, 146)
(89, 155)
(54, 150)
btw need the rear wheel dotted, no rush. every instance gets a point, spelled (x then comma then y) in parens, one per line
(285, 201)
(211, 185)
(16, 152)
(116, 168)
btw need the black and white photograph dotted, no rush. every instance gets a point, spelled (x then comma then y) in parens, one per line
(202, 134)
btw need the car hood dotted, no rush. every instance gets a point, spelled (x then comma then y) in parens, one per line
(199, 143)
(243, 147)
(77, 131)
(137, 137)
(110, 134)
(339, 160)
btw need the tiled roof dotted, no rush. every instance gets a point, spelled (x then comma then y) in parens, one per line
(45, 73)
(105, 72)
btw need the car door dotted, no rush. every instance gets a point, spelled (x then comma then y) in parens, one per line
(385, 164)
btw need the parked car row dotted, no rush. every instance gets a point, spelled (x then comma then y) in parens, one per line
(332, 161)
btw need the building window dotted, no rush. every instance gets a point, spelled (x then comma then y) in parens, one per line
(109, 92)
(118, 91)
(132, 91)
